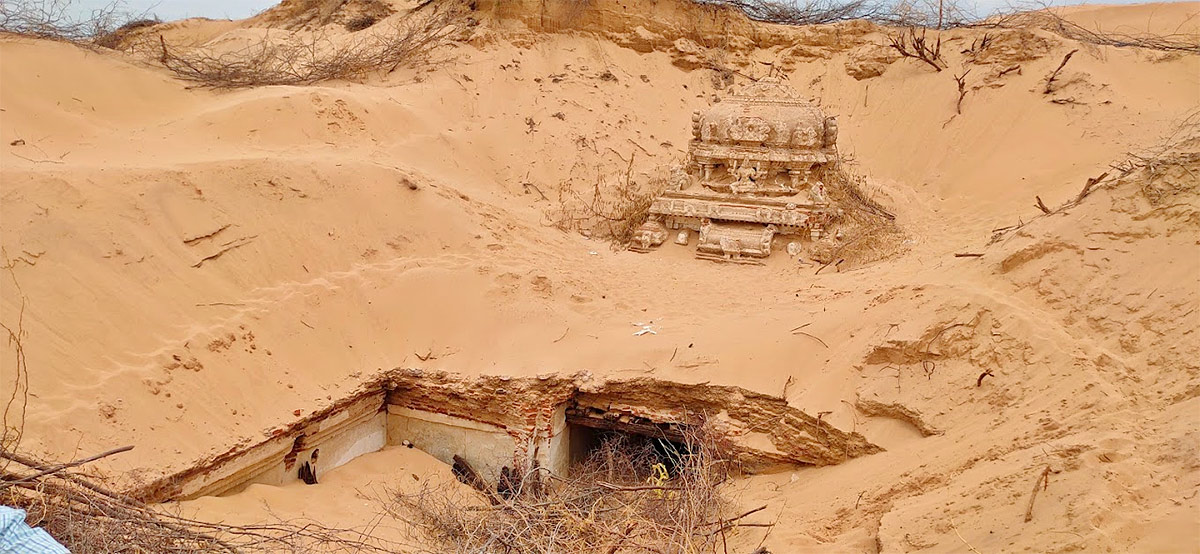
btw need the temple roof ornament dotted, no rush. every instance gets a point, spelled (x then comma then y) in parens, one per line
(754, 155)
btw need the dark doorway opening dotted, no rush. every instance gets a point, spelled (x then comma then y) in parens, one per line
(626, 444)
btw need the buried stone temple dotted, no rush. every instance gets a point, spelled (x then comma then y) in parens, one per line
(753, 175)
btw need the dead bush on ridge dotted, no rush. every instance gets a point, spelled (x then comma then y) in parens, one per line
(940, 14)
(115, 39)
(809, 12)
(623, 497)
(64, 20)
(53, 19)
(1048, 19)
(307, 58)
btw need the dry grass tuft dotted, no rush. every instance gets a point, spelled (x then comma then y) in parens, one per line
(361, 22)
(610, 212)
(616, 500)
(868, 229)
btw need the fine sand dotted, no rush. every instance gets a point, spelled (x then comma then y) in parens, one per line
(194, 266)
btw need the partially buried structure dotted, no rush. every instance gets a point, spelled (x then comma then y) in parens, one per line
(753, 174)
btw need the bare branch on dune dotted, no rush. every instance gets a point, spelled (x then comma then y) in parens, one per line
(1049, 19)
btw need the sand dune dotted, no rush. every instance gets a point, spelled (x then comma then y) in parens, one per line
(196, 265)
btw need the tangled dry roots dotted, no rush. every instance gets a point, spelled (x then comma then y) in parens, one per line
(613, 501)
(87, 518)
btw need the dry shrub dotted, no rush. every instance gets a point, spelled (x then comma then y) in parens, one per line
(295, 15)
(115, 39)
(868, 230)
(1168, 176)
(308, 58)
(610, 502)
(361, 22)
(912, 45)
(610, 212)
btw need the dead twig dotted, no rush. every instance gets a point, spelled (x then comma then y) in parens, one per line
(1041, 205)
(831, 262)
(232, 245)
(1050, 80)
(1008, 70)
(964, 541)
(962, 90)
(812, 336)
(979, 381)
(1042, 482)
(564, 335)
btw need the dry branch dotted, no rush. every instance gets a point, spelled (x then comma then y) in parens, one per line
(979, 381)
(1041, 205)
(11, 431)
(812, 336)
(1042, 482)
(915, 46)
(231, 245)
(61, 467)
(962, 90)
(1050, 80)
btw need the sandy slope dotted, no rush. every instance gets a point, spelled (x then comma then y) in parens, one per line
(372, 222)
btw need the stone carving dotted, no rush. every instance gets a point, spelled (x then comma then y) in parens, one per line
(734, 242)
(750, 175)
(652, 233)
